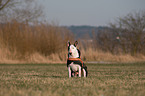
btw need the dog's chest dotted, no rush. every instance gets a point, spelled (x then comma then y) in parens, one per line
(74, 67)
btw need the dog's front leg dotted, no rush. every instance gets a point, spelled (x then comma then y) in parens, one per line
(79, 71)
(69, 72)
(84, 72)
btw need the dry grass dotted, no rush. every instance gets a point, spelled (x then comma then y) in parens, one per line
(52, 80)
(98, 55)
(46, 43)
(26, 39)
(37, 43)
(89, 55)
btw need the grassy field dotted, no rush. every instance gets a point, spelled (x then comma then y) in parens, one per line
(52, 80)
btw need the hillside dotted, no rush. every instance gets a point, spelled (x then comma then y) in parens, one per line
(85, 31)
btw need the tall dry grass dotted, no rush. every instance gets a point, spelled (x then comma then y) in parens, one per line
(34, 43)
(46, 43)
(91, 54)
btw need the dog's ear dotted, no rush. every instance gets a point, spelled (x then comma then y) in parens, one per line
(68, 43)
(76, 43)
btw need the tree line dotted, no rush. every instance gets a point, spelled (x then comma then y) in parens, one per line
(126, 35)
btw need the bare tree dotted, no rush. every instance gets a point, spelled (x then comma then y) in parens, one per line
(20, 10)
(131, 30)
(106, 40)
(3, 3)
(127, 35)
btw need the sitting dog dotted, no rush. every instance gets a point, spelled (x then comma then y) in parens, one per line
(75, 65)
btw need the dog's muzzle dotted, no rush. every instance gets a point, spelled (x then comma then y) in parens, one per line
(70, 53)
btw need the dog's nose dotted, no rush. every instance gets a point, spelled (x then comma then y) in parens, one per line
(70, 53)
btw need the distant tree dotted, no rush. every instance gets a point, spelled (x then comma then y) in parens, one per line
(20, 10)
(3, 4)
(106, 40)
(131, 32)
(126, 35)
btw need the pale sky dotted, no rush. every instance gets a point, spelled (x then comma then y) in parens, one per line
(89, 12)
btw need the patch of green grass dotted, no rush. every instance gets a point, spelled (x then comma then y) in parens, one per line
(52, 80)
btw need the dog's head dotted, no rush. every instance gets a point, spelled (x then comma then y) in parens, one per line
(72, 50)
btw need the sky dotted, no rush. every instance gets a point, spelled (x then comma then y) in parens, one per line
(89, 12)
